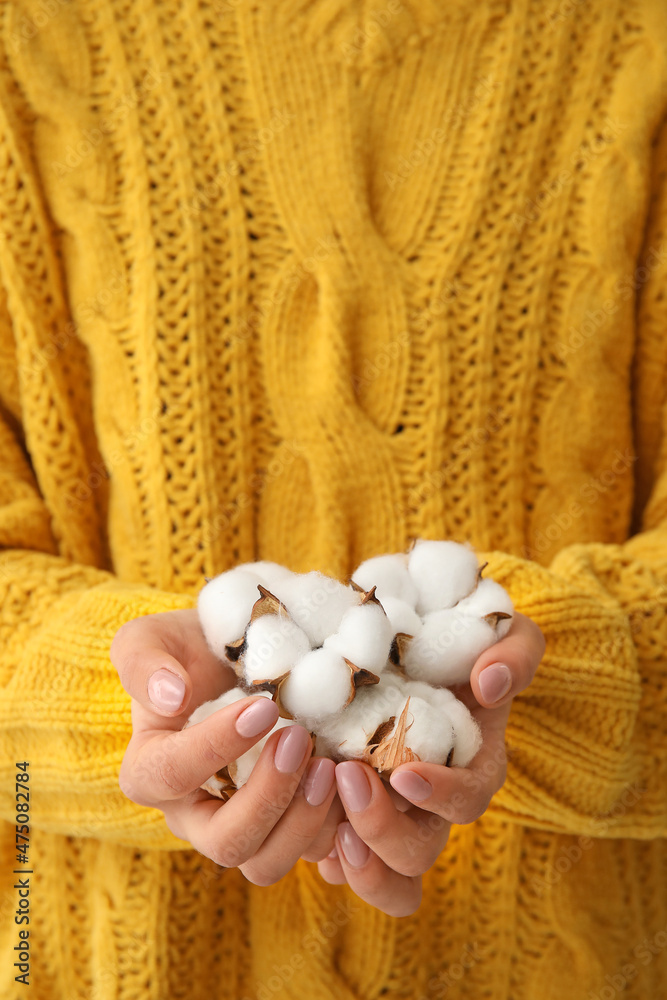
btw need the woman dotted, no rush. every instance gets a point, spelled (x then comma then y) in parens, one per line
(300, 282)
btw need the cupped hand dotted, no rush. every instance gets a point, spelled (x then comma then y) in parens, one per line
(165, 665)
(392, 834)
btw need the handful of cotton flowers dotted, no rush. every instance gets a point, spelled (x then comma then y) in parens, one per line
(366, 667)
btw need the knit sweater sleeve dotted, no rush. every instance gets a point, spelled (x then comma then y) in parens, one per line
(63, 710)
(587, 741)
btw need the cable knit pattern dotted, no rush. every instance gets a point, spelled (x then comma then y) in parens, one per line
(302, 280)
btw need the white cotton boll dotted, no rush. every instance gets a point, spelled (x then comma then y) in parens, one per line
(270, 574)
(224, 606)
(317, 603)
(317, 686)
(345, 735)
(446, 647)
(444, 573)
(389, 575)
(467, 734)
(364, 636)
(487, 598)
(403, 618)
(430, 733)
(274, 644)
(209, 707)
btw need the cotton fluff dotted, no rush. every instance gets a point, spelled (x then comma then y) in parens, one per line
(317, 686)
(487, 598)
(346, 735)
(389, 575)
(317, 603)
(444, 650)
(402, 617)
(274, 644)
(444, 572)
(364, 636)
(224, 606)
(240, 769)
(270, 574)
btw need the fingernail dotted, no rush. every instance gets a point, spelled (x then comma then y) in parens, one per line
(166, 690)
(494, 682)
(353, 786)
(333, 854)
(354, 851)
(257, 717)
(319, 779)
(291, 748)
(411, 785)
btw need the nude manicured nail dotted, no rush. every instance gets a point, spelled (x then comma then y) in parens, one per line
(411, 785)
(353, 786)
(257, 718)
(319, 779)
(494, 682)
(355, 852)
(166, 690)
(291, 747)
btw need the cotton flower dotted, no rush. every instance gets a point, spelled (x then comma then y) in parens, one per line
(364, 636)
(320, 684)
(444, 572)
(317, 603)
(389, 575)
(224, 606)
(273, 645)
(402, 616)
(366, 667)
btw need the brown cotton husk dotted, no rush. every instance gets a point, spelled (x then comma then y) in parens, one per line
(266, 604)
(228, 784)
(399, 645)
(494, 617)
(390, 751)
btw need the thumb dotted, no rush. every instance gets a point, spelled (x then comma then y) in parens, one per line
(150, 674)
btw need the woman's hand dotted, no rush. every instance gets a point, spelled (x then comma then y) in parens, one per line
(165, 665)
(392, 835)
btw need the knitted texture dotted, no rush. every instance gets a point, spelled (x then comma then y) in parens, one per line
(300, 281)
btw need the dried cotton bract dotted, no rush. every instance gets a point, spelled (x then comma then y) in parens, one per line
(366, 667)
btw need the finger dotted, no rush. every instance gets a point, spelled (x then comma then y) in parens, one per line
(298, 826)
(323, 842)
(159, 767)
(331, 869)
(157, 656)
(508, 667)
(457, 794)
(408, 842)
(372, 880)
(230, 833)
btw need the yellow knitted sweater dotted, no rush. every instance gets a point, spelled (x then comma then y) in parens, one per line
(300, 280)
